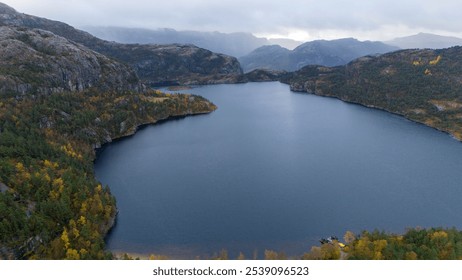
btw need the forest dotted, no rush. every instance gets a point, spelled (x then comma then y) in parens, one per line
(414, 244)
(51, 205)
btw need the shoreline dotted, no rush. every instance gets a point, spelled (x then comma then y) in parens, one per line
(98, 150)
(99, 147)
(380, 109)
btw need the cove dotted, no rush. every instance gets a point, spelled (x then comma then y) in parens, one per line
(273, 169)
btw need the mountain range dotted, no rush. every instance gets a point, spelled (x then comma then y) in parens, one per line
(272, 54)
(319, 52)
(234, 44)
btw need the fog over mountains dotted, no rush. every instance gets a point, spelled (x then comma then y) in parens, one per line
(235, 44)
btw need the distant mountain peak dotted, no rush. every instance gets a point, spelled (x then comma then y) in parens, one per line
(424, 40)
(318, 52)
(271, 47)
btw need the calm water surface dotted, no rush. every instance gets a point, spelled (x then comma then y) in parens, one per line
(272, 169)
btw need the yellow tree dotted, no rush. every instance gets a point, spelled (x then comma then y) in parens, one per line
(65, 238)
(271, 255)
(330, 252)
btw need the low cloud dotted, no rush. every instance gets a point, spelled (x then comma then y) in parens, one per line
(316, 19)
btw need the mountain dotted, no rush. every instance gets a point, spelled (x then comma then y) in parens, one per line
(285, 43)
(319, 52)
(38, 61)
(422, 85)
(425, 40)
(267, 57)
(160, 65)
(336, 52)
(234, 44)
(154, 64)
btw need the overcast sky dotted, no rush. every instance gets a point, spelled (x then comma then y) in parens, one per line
(297, 19)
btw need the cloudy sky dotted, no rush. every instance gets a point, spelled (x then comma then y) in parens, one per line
(296, 19)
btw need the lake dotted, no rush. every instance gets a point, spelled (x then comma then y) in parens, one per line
(273, 169)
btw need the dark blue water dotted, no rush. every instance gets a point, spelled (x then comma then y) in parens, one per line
(272, 169)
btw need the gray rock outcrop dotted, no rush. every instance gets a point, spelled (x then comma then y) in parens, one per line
(38, 61)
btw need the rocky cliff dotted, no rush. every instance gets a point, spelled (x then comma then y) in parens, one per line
(38, 61)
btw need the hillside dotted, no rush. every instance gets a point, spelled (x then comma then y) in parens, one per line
(51, 205)
(154, 64)
(319, 52)
(160, 65)
(273, 57)
(422, 85)
(38, 61)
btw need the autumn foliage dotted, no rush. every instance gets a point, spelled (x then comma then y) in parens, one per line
(53, 207)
